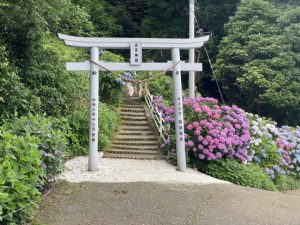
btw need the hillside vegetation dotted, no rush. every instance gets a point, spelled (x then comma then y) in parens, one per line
(43, 108)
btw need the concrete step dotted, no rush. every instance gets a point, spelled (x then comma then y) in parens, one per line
(129, 151)
(134, 123)
(132, 102)
(129, 119)
(144, 148)
(132, 133)
(136, 138)
(132, 98)
(132, 110)
(140, 106)
(132, 113)
(131, 156)
(136, 143)
(135, 129)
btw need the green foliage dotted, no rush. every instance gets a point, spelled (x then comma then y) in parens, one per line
(246, 175)
(286, 183)
(40, 65)
(162, 85)
(165, 19)
(258, 63)
(110, 92)
(271, 156)
(15, 97)
(59, 90)
(78, 121)
(66, 17)
(108, 124)
(52, 142)
(20, 173)
(103, 16)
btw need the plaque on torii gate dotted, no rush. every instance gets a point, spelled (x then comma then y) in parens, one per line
(136, 46)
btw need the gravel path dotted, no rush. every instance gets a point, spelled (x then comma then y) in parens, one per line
(128, 170)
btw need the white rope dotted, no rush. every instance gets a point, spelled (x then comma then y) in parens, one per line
(136, 80)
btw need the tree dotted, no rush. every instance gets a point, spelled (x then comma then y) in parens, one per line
(257, 63)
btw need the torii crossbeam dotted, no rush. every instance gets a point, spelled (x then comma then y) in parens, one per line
(136, 45)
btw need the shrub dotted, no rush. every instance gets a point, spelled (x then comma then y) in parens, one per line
(212, 131)
(20, 174)
(14, 96)
(162, 85)
(274, 149)
(52, 142)
(110, 91)
(246, 175)
(285, 183)
(79, 124)
(289, 144)
(108, 124)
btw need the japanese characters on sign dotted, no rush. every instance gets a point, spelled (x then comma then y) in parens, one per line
(136, 53)
(180, 121)
(94, 118)
(93, 114)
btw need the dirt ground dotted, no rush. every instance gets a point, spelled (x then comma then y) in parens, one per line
(164, 204)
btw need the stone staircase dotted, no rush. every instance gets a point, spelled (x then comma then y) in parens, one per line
(135, 138)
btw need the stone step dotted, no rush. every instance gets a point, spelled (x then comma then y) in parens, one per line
(129, 133)
(132, 102)
(132, 98)
(123, 118)
(129, 114)
(127, 151)
(132, 106)
(132, 110)
(135, 128)
(136, 138)
(131, 156)
(144, 148)
(135, 143)
(133, 115)
(139, 136)
(135, 123)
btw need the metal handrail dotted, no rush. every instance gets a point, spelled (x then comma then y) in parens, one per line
(159, 121)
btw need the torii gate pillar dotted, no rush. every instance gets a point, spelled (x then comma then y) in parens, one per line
(179, 122)
(93, 118)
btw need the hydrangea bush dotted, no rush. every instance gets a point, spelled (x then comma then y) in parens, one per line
(212, 131)
(289, 147)
(277, 150)
(263, 146)
(215, 132)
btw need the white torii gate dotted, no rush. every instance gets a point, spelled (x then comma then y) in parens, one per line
(136, 45)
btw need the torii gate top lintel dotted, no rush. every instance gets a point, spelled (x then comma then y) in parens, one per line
(125, 43)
